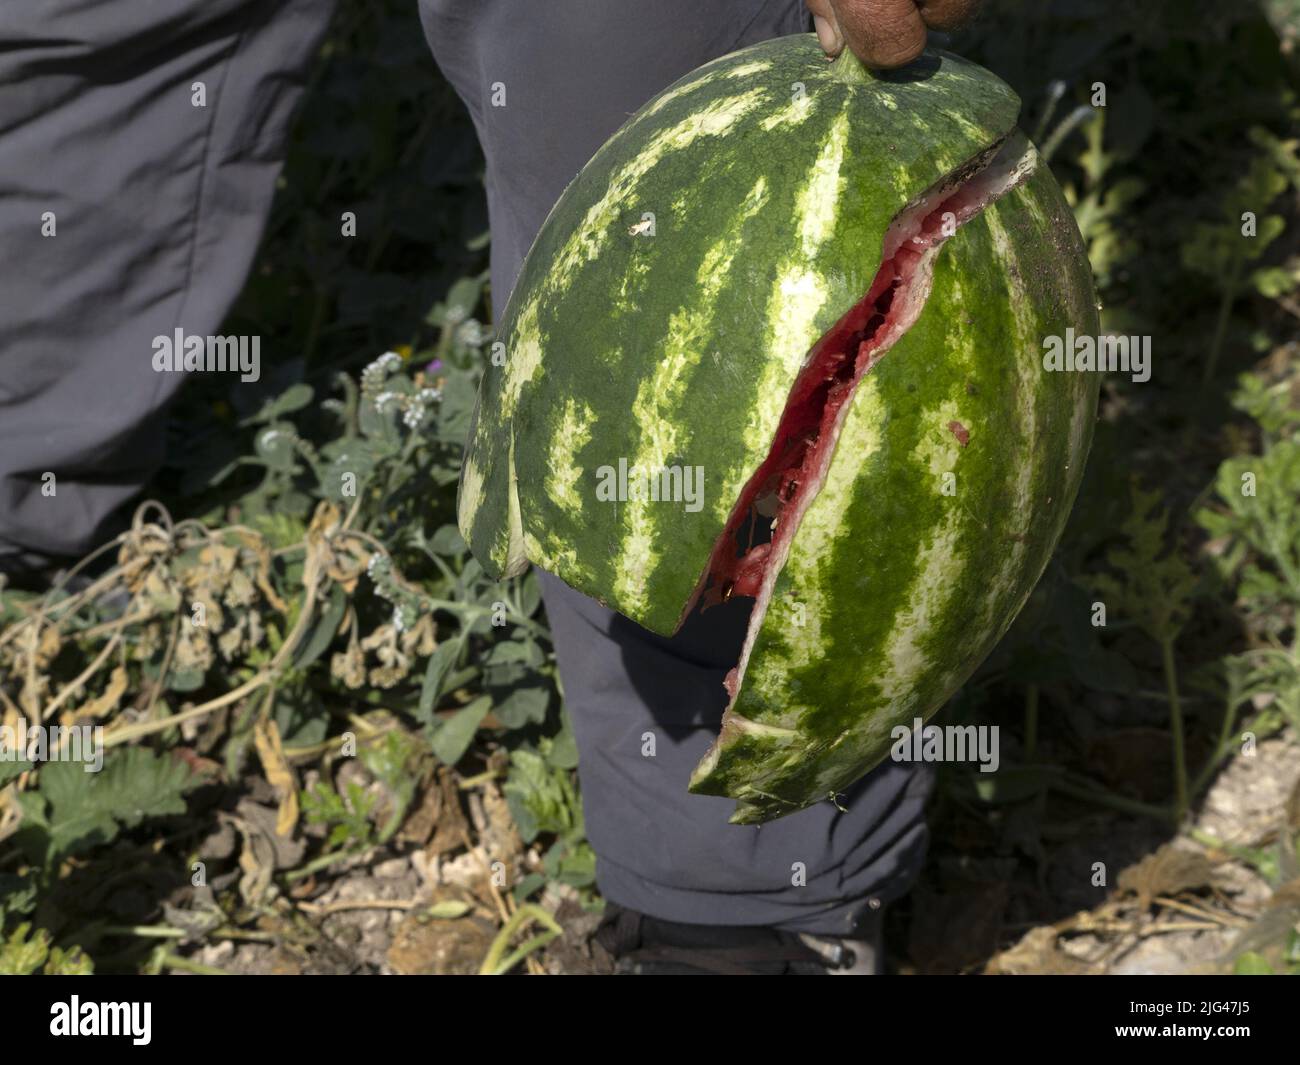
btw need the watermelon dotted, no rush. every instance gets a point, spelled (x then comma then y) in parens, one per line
(781, 339)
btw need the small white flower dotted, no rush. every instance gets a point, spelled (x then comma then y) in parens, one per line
(388, 358)
(470, 333)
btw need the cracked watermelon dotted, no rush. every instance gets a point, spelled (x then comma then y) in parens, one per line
(827, 292)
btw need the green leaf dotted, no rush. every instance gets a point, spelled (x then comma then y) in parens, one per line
(510, 661)
(184, 680)
(280, 529)
(453, 738)
(294, 398)
(354, 456)
(274, 446)
(530, 884)
(380, 427)
(13, 770)
(448, 910)
(393, 762)
(17, 895)
(530, 594)
(1260, 492)
(459, 395)
(1275, 282)
(541, 799)
(439, 662)
(73, 810)
(1252, 964)
(561, 750)
(524, 650)
(70, 962)
(24, 951)
(300, 715)
(573, 864)
(523, 706)
(1153, 585)
(463, 297)
(322, 805)
(326, 627)
(448, 541)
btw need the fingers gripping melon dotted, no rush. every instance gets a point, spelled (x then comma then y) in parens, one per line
(823, 294)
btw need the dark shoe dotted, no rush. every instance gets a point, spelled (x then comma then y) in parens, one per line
(647, 946)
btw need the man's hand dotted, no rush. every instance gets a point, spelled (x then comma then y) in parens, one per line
(885, 33)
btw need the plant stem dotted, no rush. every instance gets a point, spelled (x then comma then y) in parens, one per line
(1114, 802)
(1054, 93)
(1220, 748)
(497, 963)
(475, 611)
(323, 862)
(851, 70)
(173, 961)
(320, 304)
(144, 931)
(1175, 727)
(1221, 323)
(1068, 125)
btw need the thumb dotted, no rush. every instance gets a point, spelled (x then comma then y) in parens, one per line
(828, 29)
(882, 33)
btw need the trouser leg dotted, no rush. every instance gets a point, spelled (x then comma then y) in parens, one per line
(546, 85)
(141, 143)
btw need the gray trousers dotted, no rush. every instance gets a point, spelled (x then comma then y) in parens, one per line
(126, 212)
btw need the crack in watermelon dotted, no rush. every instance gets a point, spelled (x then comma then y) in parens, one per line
(753, 546)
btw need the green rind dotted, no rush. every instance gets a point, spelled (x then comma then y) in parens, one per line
(680, 348)
(483, 499)
(905, 589)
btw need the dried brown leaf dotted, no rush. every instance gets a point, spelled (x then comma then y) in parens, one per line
(266, 737)
(1037, 953)
(1168, 871)
(108, 701)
